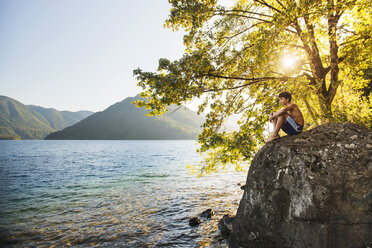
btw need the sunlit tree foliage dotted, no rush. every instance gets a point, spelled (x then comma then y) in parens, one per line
(238, 58)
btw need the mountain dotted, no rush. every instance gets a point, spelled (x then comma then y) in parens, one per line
(124, 121)
(60, 119)
(19, 121)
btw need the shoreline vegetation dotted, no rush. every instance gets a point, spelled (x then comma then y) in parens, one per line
(10, 138)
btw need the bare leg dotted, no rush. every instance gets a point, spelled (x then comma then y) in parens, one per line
(274, 122)
(278, 123)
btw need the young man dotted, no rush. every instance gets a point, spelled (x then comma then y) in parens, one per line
(289, 119)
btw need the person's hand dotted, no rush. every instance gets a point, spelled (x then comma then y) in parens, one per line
(271, 117)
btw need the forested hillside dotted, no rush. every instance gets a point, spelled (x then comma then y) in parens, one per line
(123, 121)
(19, 121)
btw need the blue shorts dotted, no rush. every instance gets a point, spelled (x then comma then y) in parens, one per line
(291, 127)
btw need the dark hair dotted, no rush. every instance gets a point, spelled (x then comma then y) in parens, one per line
(286, 95)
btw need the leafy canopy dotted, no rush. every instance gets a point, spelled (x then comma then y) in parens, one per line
(238, 58)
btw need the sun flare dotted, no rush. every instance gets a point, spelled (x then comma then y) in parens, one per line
(289, 61)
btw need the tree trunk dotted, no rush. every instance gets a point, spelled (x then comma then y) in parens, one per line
(325, 107)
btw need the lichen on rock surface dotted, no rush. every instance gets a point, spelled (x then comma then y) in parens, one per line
(309, 190)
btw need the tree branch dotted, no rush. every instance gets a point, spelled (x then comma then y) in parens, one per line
(280, 4)
(239, 33)
(237, 15)
(356, 39)
(333, 49)
(311, 79)
(247, 79)
(248, 12)
(228, 107)
(252, 81)
(267, 5)
(314, 46)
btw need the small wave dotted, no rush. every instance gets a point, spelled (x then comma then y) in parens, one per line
(19, 176)
(153, 175)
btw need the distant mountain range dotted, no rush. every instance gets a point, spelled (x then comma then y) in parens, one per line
(19, 121)
(120, 121)
(124, 121)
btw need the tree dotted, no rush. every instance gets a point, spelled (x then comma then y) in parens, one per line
(238, 58)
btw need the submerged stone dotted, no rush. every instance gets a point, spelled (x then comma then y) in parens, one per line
(309, 190)
(194, 221)
(207, 213)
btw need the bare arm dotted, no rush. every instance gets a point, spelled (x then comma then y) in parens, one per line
(282, 111)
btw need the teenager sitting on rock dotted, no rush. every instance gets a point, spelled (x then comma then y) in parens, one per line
(289, 119)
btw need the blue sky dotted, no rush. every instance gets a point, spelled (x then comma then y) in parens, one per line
(80, 54)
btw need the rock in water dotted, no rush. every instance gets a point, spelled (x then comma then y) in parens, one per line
(194, 221)
(207, 213)
(309, 190)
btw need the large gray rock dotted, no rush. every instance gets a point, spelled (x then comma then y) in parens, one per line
(309, 190)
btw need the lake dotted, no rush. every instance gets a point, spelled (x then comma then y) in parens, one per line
(109, 194)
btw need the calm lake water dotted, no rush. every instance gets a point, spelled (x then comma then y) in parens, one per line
(109, 194)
